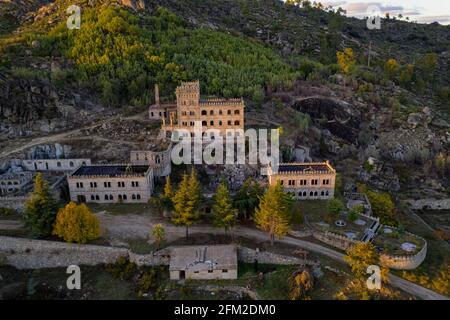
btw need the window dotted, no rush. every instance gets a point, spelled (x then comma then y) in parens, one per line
(204, 123)
(121, 184)
(210, 271)
(97, 197)
(191, 113)
(70, 164)
(92, 197)
(327, 193)
(204, 113)
(281, 182)
(224, 270)
(322, 193)
(58, 164)
(314, 182)
(311, 194)
(93, 184)
(133, 197)
(106, 197)
(236, 111)
(303, 182)
(220, 112)
(151, 114)
(211, 112)
(237, 122)
(138, 197)
(326, 181)
(220, 123)
(196, 271)
(229, 112)
(160, 114)
(229, 122)
(315, 193)
(124, 197)
(211, 123)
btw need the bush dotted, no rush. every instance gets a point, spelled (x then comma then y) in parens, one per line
(335, 206)
(122, 269)
(76, 223)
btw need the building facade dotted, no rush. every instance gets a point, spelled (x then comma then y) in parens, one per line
(309, 180)
(55, 164)
(203, 262)
(159, 160)
(218, 114)
(111, 184)
(13, 182)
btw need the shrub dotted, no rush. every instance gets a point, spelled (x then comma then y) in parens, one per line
(122, 269)
(335, 206)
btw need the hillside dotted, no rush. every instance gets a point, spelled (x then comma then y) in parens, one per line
(280, 58)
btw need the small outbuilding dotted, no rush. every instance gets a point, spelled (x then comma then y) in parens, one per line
(203, 262)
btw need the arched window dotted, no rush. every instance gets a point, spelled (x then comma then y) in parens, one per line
(92, 197)
(304, 193)
(204, 123)
(71, 163)
(151, 113)
(211, 123)
(111, 197)
(322, 193)
(157, 159)
(236, 123)
(211, 112)
(204, 113)
(124, 197)
(300, 194)
(138, 197)
(315, 193)
(120, 197)
(220, 122)
(106, 197)
(311, 194)
(58, 164)
(133, 197)
(236, 111)
(97, 197)
(327, 193)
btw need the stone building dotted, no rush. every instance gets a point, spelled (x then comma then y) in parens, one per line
(220, 114)
(111, 183)
(13, 182)
(203, 262)
(158, 158)
(55, 164)
(309, 180)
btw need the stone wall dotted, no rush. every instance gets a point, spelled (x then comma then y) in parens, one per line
(433, 204)
(15, 203)
(248, 255)
(404, 262)
(334, 239)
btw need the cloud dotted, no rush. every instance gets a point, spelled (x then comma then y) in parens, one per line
(430, 19)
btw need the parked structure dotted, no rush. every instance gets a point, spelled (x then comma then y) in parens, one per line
(55, 164)
(220, 114)
(14, 181)
(158, 158)
(203, 262)
(111, 183)
(309, 180)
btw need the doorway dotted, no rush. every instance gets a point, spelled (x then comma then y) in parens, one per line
(182, 274)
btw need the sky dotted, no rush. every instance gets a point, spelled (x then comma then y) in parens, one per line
(422, 11)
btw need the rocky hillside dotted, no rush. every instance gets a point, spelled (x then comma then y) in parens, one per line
(384, 122)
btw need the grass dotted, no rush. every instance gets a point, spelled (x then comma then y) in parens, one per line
(122, 209)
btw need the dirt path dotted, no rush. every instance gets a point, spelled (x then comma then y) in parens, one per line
(139, 226)
(62, 135)
(10, 225)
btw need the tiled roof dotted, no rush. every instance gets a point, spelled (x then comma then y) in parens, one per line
(305, 167)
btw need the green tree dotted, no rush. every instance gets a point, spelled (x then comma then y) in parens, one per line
(40, 209)
(273, 212)
(383, 207)
(359, 257)
(222, 209)
(335, 206)
(158, 234)
(247, 198)
(76, 223)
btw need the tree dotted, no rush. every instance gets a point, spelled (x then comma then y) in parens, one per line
(391, 68)
(382, 207)
(360, 256)
(223, 211)
(299, 284)
(272, 214)
(247, 198)
(159, 234)
(335, 206)
(354, 212)
(76, 223)
(346, 60)
(41, 208)
(186, 202)
(428, 64)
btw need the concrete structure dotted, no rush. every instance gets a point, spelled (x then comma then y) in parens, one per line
(309, 180)
(220, 114)
(13, 182)
(111, 184)
(158, 159)
(55, 164)
(203, 262)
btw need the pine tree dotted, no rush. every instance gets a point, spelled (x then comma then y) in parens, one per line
(76, 223)
(186, 213)
(195, 190)
(41, 208)
(223, 211)
(273, 212)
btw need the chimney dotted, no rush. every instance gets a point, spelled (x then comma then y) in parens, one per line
(156, 94)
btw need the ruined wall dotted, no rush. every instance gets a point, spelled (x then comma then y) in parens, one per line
(248, 255)
(334, 239)
(433, 204)
(15, 203)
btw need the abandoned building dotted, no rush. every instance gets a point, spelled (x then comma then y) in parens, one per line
(203, 262)
(158, 158)
(219, 114)
(55, 164)
(111, 184)
(309, 180)
(13, 182)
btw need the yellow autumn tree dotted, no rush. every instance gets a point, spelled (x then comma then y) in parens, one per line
(391, 68)
(76, 223)
(346, 60)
